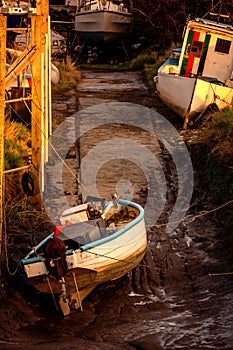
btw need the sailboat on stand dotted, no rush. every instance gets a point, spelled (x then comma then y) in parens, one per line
(103, 21)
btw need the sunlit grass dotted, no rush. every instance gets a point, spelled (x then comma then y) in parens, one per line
(69, 76)
(17, 144)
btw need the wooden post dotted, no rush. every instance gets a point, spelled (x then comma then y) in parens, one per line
(2, 119)
(40, 102)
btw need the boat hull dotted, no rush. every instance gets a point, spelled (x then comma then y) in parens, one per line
(16, 16)
(199, 74)
(88, 279)
(108, 258)
(191, 95)
(103, 25)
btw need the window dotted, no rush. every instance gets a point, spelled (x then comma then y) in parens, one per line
(223, 46)
(196, 48)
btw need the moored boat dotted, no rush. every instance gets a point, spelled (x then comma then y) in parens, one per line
(103, 21)
(201, 74)
(101, 244)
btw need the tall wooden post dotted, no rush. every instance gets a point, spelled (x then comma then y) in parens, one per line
(40, 30)
(2, 119)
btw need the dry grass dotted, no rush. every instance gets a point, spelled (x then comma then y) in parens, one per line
(17, 144)
(69, 76)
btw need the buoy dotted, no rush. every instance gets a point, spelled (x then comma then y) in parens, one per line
(29, 183)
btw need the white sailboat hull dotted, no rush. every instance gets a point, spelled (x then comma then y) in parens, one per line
(103, 25)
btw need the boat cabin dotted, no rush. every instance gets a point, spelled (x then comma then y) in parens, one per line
(207, 50)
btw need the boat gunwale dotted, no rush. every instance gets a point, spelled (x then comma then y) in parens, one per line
(104, 11)
(28, 260)
(119, 232)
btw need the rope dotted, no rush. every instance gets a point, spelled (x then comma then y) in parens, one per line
(5, 243)
(216, 97)
(109, 257)
(49, 142)
(220, 274)
(17, 169)
(76, 286)
(195, 216)
(18, 115)
(58, 155)
(51, 291)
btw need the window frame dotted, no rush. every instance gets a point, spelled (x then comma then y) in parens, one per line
(200, 49)
(222, 46)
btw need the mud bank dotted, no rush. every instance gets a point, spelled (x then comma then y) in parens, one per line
(170, 301)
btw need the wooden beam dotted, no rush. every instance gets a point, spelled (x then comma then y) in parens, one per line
(20, 64)
(39, 24)
(2, 119)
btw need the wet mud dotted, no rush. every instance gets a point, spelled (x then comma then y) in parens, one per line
(171, 300)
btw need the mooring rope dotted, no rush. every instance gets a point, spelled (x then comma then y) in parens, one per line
(51, 291)
(195, 216)
(220, 274)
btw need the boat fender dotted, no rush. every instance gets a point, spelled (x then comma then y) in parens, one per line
(55, 258)
(30, 184)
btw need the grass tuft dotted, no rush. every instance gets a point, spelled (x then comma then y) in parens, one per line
(142, 59)
(17, 144)
(69, 76)
(219, 136)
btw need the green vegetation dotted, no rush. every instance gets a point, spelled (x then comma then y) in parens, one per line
(17, 144)
(142, 59)
(149, 63)
(219, 136)
(150, 71)
(20, 213)
(105, 66)
(220, 181)
(217, 160)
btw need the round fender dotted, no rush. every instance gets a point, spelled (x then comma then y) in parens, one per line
(29, 184)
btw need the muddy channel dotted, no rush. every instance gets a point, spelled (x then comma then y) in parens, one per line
(131, 144)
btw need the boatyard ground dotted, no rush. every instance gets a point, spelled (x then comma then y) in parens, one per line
(173, 299)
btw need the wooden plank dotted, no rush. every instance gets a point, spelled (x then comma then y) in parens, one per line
(2, 118)
(39, 23)
(20, 64)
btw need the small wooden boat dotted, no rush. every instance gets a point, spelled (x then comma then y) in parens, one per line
(102, 243)
(201, 73)
(103, 21)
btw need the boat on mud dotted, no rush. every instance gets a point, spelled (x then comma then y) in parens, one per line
(96, 242)
(199, 76)
(103, 21)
